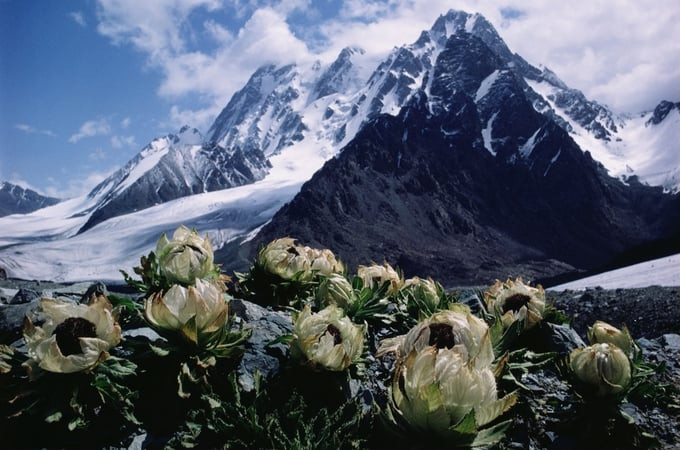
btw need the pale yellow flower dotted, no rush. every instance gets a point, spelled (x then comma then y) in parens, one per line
(328, 339)
(186, 257)
(602, 332)
(284, 258)
(603, 367)
(196, 313)
(336, 290)
(74, 337)
(425, 291)
(447, 329)
(323, 261)
(435, 388)
(515, 300)
(376, 275)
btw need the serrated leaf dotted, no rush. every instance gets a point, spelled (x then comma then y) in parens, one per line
(492, 435)
(467, 425)
(118, 367)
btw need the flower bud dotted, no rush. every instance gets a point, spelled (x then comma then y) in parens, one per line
(602, 368)
(426, 292)
(186, 257)
(436, 388)
(323, 261)
(602, 332)
(282, 257)
(328, 339)
(198, 313)
(514, 300)
(375, 276)
(336, 290)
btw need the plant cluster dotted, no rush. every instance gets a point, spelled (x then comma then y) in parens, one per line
(373, 361)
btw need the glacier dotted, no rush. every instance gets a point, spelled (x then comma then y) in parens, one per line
(300, 116)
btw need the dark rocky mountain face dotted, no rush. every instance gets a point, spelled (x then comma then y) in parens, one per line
(424, 191)
(661, 111)
(17, 200)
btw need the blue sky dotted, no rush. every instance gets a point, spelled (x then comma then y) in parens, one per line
(86, 84)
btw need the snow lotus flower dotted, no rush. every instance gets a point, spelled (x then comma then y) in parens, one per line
(602, 332)
(74, 337)
(323, 261)
(515, 300)
(328, 339)
(375, 276)
(604, 368)
(197, 314)
(436, 388)
(284, 258)
(186, 257)
(336, 290)
(425, 291)
(454, 329)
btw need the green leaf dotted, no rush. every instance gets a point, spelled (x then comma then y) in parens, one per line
(467, 425)
(284, 339)
(159, 350)
(118, 301)
(117, 367)
(492, 435)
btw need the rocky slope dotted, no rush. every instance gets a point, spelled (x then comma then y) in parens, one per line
(659, 341)
(421, 191)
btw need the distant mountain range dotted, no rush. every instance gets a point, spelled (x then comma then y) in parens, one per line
(455, 157)
(18, 200)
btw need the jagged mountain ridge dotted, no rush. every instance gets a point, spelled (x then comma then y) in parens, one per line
(299, 116)
(171, 167)
(15, 199)
(281, 106)
(433, 192)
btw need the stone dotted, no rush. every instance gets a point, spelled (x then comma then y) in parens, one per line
(24, 295)
(672, 342)
(12, 319)
(95, 289)
(267, 325)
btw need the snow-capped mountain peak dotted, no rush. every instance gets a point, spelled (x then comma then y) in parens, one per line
(288, 121)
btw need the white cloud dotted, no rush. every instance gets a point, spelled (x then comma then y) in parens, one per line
(199, 118)
(623, 55)
(153, 26)
(29, 129)
(78, 17)
(78, 184)
(125, 123)
(123, 141)
(211, 77)
(91, 128)
(97, 155)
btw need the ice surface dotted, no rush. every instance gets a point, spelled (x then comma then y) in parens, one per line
(652, 152)
(658, 272)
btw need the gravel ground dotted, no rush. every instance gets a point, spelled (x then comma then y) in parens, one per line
(647, 312)
(652, 315)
